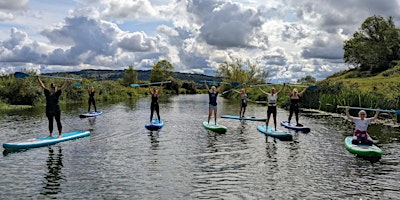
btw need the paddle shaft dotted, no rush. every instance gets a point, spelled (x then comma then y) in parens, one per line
(216, 82)
(23, 75)
(154, 83)
(370, 109)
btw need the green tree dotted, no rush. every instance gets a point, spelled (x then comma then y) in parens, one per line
(161, 71)
(374, 46)
(241, 72)
(307, 79)
(130, 77)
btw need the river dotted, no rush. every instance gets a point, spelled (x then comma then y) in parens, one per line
(122, 160)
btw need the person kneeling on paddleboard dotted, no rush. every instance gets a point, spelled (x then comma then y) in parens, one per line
(212, 95)
(360, 135)
(52, 107)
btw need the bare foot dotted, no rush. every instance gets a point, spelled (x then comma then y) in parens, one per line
(59, 136)
(51, 135)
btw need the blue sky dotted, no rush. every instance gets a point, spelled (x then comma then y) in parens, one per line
(289, 39)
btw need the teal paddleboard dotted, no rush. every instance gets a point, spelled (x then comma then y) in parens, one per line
(280, 134)
(215, 127)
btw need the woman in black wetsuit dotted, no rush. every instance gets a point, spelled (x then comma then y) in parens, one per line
(154, 102)
(91, 92)
(52, 107)
(295, 97)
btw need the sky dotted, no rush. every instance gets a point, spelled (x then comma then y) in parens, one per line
(290, 39)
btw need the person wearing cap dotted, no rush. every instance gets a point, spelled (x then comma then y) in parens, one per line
(91, 92)
(295, 97)
(272, 98)
(52, 107)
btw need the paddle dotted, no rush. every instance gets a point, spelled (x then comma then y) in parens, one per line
(154, 83)
(371, 109)
(215, 82)
(79, 84)
(234, 87)
(311, 87)
(23, 75)
(265, 84)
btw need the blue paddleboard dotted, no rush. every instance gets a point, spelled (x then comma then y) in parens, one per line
(280, 134)
(243, 118)
(45, 141)
(294, 127)
(156, 125)
(91, 114)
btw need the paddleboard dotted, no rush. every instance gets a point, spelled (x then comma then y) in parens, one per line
(270, 131)
(215, 127)
(294, 127)
(91, 114)
(156, 125)
(45, 140)
(243, 118)
(362, 150)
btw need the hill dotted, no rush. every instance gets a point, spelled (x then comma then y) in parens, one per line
(143, 75)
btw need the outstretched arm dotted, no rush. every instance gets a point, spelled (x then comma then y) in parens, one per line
(205, 83)
(65, 85)
(263, 91)
(150, 90)
(347, 114)
(376, 115)
(301, 93)
(281, 89)
(41, 83)
(160, 90)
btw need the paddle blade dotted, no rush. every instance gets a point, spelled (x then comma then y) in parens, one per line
(312, 87)
(20, 75)
(135, 85)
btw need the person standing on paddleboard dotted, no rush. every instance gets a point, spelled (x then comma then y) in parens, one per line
(212, 96)
(154, 102)
(91, 92)
(243, 101)
(295, 97)
(360, 135)
(272, 98)
(52, 108)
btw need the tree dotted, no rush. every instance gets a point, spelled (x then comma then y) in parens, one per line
(161, 71)
(307, 79)
(241, 72)
(374, 46)
(130, 76)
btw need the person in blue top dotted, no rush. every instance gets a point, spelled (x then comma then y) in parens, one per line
(91, 92)
(212, 96)
(154, 102)
(52, 108)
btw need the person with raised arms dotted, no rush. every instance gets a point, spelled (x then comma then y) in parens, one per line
(243, 101)
(52, 108)
(91, 92)
(272, 99)
(295, 98)
(154, 102)
(360, 135)
(212, 96)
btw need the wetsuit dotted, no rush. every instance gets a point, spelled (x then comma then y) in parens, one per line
(154, 106)
(294, 107)
(92, 101)
(243, 102)
(53, 109)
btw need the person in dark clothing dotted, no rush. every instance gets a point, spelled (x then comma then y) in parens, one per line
(91, 92)
(295, 97)
(154, 102)
(52, 107)
(212, 95)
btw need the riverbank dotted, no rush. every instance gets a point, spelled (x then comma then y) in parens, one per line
(386, 122)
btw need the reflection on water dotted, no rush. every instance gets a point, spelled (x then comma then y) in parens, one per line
(54, 176)
(123, 160)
